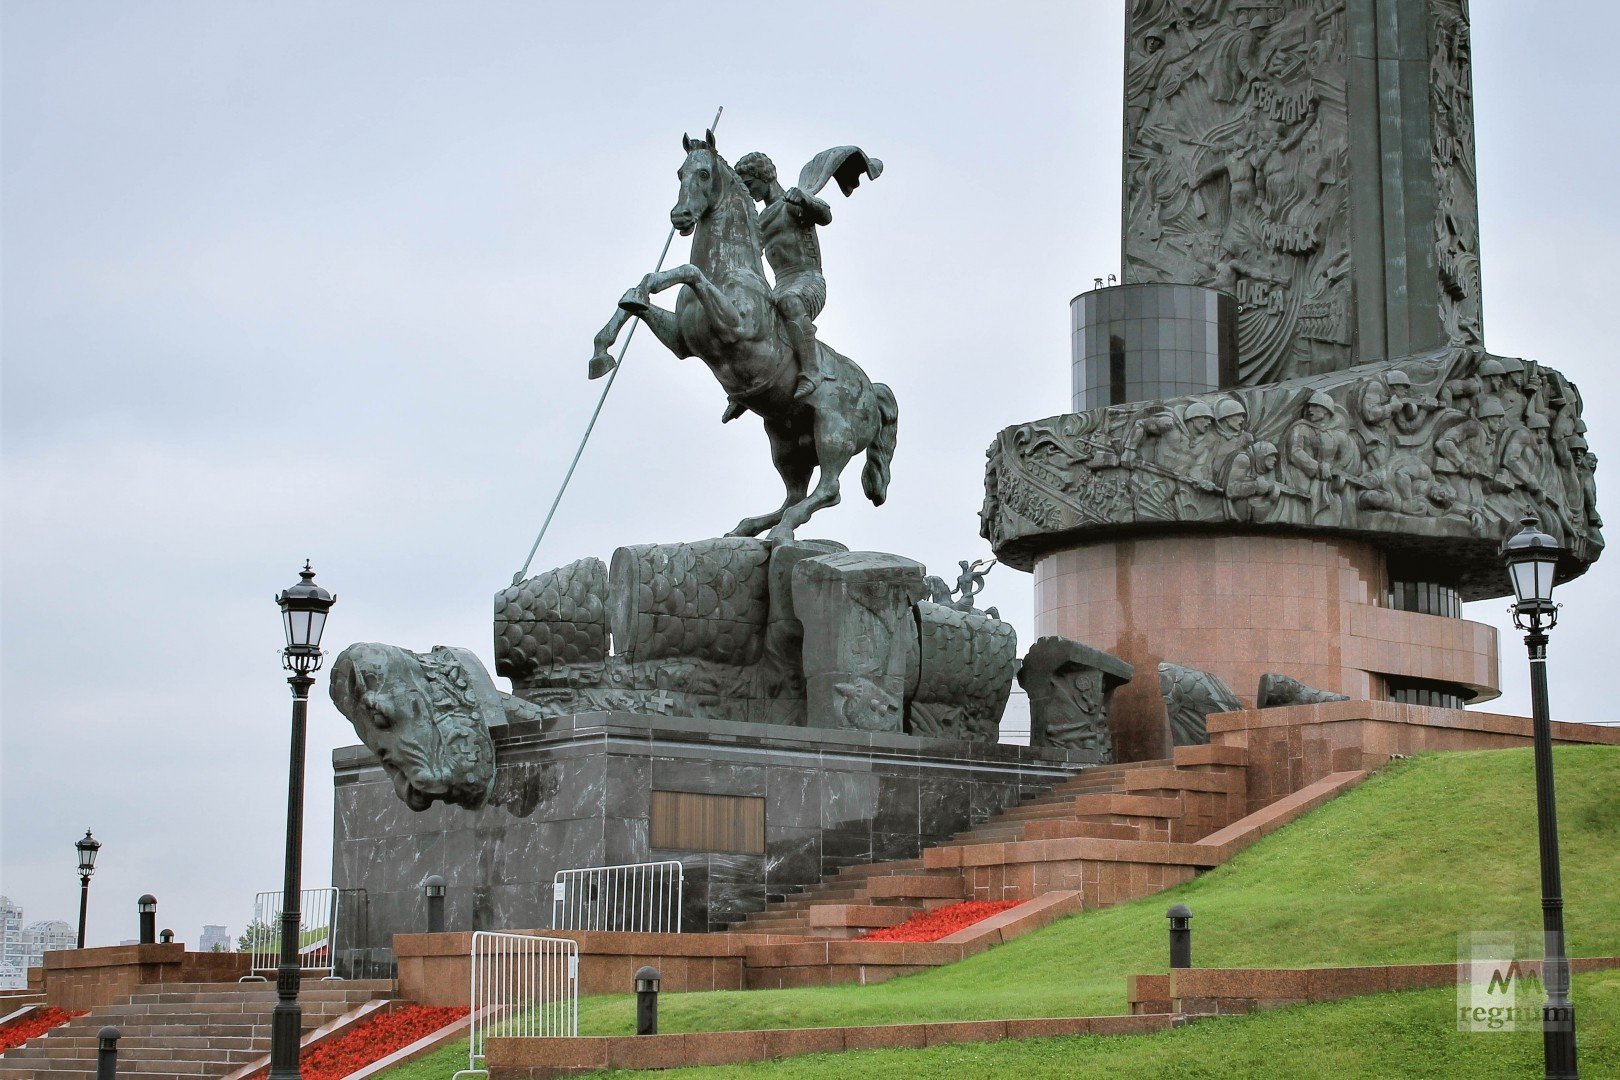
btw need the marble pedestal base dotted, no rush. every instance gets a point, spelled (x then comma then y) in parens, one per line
(578, 791)
(1240, 606)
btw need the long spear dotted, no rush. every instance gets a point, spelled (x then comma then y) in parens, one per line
(517, 578)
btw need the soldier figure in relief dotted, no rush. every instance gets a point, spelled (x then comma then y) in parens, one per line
(1172, 457)
(787, 228)
(1588, 467)
(1466, 451)
(1252, 488)
(1322, 456)
(1232, 434)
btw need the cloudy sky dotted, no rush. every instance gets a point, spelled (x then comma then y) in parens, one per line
(320, 280)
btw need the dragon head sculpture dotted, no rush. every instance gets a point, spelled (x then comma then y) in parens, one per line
(426, 716)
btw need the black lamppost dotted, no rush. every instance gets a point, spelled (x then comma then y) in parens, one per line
(1532, 562)
(87, 848)
(303, 616)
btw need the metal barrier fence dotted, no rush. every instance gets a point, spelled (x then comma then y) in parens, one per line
(639, 898)
(318, 912)
(354, 956)
(522, 986)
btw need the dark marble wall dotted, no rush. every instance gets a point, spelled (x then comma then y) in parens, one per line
(575, 792)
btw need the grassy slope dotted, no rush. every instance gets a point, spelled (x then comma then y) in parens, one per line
(1389, 873)
(1388, 1035)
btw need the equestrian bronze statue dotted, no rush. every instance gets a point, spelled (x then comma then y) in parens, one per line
(818, 406)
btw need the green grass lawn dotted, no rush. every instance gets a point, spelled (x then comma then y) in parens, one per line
(1389, 873)
(1384, 1037)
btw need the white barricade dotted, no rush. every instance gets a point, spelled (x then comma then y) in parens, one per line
(317, 930)
(522, 986)
(637, 898)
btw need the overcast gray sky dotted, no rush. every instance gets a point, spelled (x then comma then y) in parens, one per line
(320, 280)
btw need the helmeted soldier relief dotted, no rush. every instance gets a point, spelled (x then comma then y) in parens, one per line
(1465, 451)
(1321, 459)
(1252, 487)
(1232, 434)
(1387, 406)
(1173, 457)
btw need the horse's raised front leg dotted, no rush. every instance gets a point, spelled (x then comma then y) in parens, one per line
(636, 301)
(666, 327)
(724, 318)
(601, 363)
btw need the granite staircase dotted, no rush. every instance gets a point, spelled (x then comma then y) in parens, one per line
(1129, 829)
(185, 1030)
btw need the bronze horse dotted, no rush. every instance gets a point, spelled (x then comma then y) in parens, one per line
(724, 316)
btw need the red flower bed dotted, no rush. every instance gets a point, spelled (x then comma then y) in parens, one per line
(942, 922)
(33, 1026)
(372, 1040)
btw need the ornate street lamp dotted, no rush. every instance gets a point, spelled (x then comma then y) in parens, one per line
(1532, 563)
(87, 847)
(303, 615)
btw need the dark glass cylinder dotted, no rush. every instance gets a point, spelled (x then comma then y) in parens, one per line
(1151, 342)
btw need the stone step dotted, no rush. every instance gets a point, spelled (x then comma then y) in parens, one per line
(211, 1043)
(184, 1030)
(1070, 808)
(1067, 793)
(1087, 781)
(1225, 781)
(256, 998)
(214, 1022)
(774, 915)
(197, 1010)
(1047, 829)
(858, 916)
(787, 925)
(829, 890)
(931, 887)
(800, 903)
(866, 870)
(1132, 804)
(1099, 830)
(306, 985)
(916, 887)
(1103, 773)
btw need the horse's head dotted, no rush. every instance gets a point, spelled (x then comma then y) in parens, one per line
(426, 716)
(702, 177)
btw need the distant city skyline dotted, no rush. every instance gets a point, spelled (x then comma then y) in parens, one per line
(23, 946)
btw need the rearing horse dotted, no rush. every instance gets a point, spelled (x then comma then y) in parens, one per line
(725, 316)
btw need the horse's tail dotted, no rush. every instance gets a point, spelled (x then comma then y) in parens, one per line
(875, 476)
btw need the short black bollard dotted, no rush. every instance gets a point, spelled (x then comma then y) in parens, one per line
(147, 906)
(1180, 918)
(107, 1054)
(647, 980)
(167, 937)
(433, 886)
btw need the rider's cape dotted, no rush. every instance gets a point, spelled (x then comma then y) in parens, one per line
(845, 164)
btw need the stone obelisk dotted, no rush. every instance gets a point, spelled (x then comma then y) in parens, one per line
(1289, 449)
